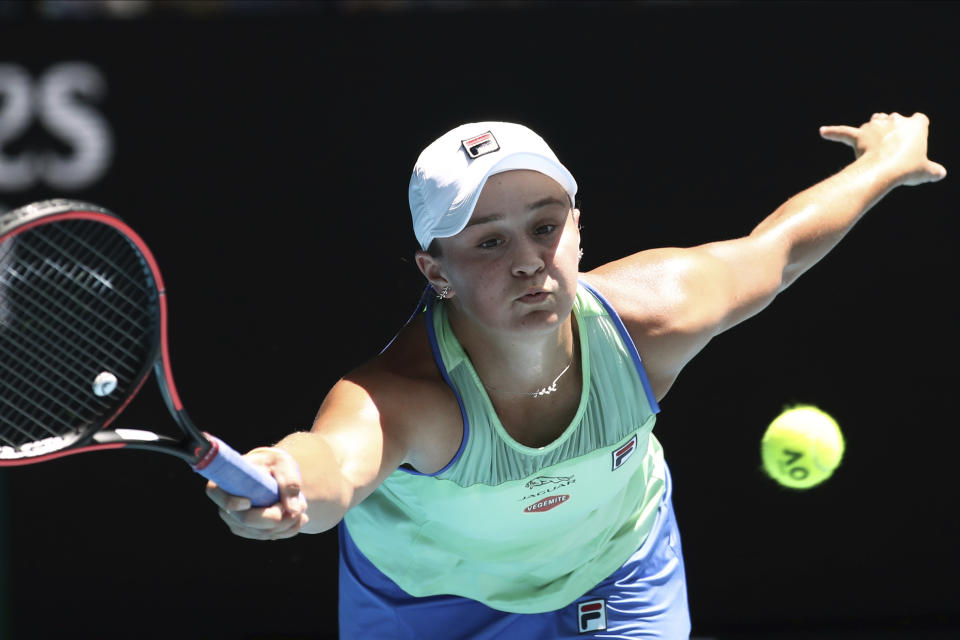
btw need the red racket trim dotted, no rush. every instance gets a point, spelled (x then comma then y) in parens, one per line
(96, 216)
(210, 455)
(20, 462)
(165, 355)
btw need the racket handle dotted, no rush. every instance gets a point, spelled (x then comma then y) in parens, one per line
(236, 476)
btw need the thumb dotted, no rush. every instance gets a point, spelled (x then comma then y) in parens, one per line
(930, 172)
(937, 171)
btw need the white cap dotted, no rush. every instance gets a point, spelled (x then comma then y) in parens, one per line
(451, 172)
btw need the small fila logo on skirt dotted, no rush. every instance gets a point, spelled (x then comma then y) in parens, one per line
(592, 616)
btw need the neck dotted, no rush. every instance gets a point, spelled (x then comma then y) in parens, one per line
(518, 363)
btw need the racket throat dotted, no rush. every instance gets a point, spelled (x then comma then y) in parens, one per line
(187, 449)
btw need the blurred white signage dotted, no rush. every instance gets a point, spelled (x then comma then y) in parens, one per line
(60, 102)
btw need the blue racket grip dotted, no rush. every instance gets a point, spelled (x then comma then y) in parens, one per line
(236, 476)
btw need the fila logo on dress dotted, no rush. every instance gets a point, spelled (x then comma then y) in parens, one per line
(621, 455)
(592, 616)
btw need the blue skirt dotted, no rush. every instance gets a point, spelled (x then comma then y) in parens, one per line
(645, 598)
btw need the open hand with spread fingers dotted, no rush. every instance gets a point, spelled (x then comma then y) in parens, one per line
(896, 140)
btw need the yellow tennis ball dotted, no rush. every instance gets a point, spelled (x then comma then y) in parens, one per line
(802, 447)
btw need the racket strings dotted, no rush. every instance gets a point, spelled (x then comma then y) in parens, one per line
(40, 381)
(54, 362)
(38, 331)
(119, 258)
(47, 283)
(48, 320)
(88, 279)
(76, 299)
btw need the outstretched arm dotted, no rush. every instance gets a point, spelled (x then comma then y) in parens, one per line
(324, 472)
(675, 300)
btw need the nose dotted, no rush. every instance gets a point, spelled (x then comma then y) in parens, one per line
(526, 259)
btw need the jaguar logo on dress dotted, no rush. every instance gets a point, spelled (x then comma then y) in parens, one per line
(621, 455)
(540, 481)
(542, 486)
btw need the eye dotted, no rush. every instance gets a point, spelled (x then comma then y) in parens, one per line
(491, 243)
(545, 229)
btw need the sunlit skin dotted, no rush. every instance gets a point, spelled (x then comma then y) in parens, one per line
(512, 278)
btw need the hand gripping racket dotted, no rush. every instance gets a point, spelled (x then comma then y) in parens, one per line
(83, 320)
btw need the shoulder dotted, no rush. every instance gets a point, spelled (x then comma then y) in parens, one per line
(652, 291)
(403, 391)
(665, 298)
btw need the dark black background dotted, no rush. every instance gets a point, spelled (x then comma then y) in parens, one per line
(265, 159)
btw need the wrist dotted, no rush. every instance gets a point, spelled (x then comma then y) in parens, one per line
(883, 170)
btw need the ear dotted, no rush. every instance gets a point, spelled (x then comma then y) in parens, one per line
(576, 223)
(432, 270)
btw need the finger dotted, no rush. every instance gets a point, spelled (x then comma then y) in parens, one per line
(254, 534)
(271, 517)
(288, 531)
(840, 133)
(286, 528)
(292, 531)
(283, 468)
(290, 494)
(878, 116)
(287, 475)
(265, 535)
(251, 527)
(226, 501)
(937, 170)
(299, 506)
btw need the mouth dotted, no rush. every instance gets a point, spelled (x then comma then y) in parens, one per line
(535, 296)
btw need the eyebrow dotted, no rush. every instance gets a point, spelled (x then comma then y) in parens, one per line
(545, 202)
(533, 206)
(493, 217)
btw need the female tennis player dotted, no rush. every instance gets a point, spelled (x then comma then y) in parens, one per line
(494, 471)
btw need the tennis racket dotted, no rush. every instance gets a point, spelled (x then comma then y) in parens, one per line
(83, 321)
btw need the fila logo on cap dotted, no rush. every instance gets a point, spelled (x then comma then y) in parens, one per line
(480, 145)
(592, 616)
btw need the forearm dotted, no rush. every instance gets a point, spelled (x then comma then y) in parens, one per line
(891, 150)
(327, 491)
(807, 226)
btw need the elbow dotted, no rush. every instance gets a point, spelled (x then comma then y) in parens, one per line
(323, 516)
(792, 270)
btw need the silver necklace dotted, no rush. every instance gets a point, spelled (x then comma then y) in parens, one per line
(536, 394)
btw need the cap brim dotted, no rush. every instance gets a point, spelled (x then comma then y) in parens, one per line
(461, 210)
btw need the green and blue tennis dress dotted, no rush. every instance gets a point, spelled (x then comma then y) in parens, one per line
(514, 541)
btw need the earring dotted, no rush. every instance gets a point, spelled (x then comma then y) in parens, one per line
(443, 293)
(580, 255)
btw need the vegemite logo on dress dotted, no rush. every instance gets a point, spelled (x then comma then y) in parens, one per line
(547, 503)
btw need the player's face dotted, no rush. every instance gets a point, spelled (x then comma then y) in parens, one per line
(515, 265)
